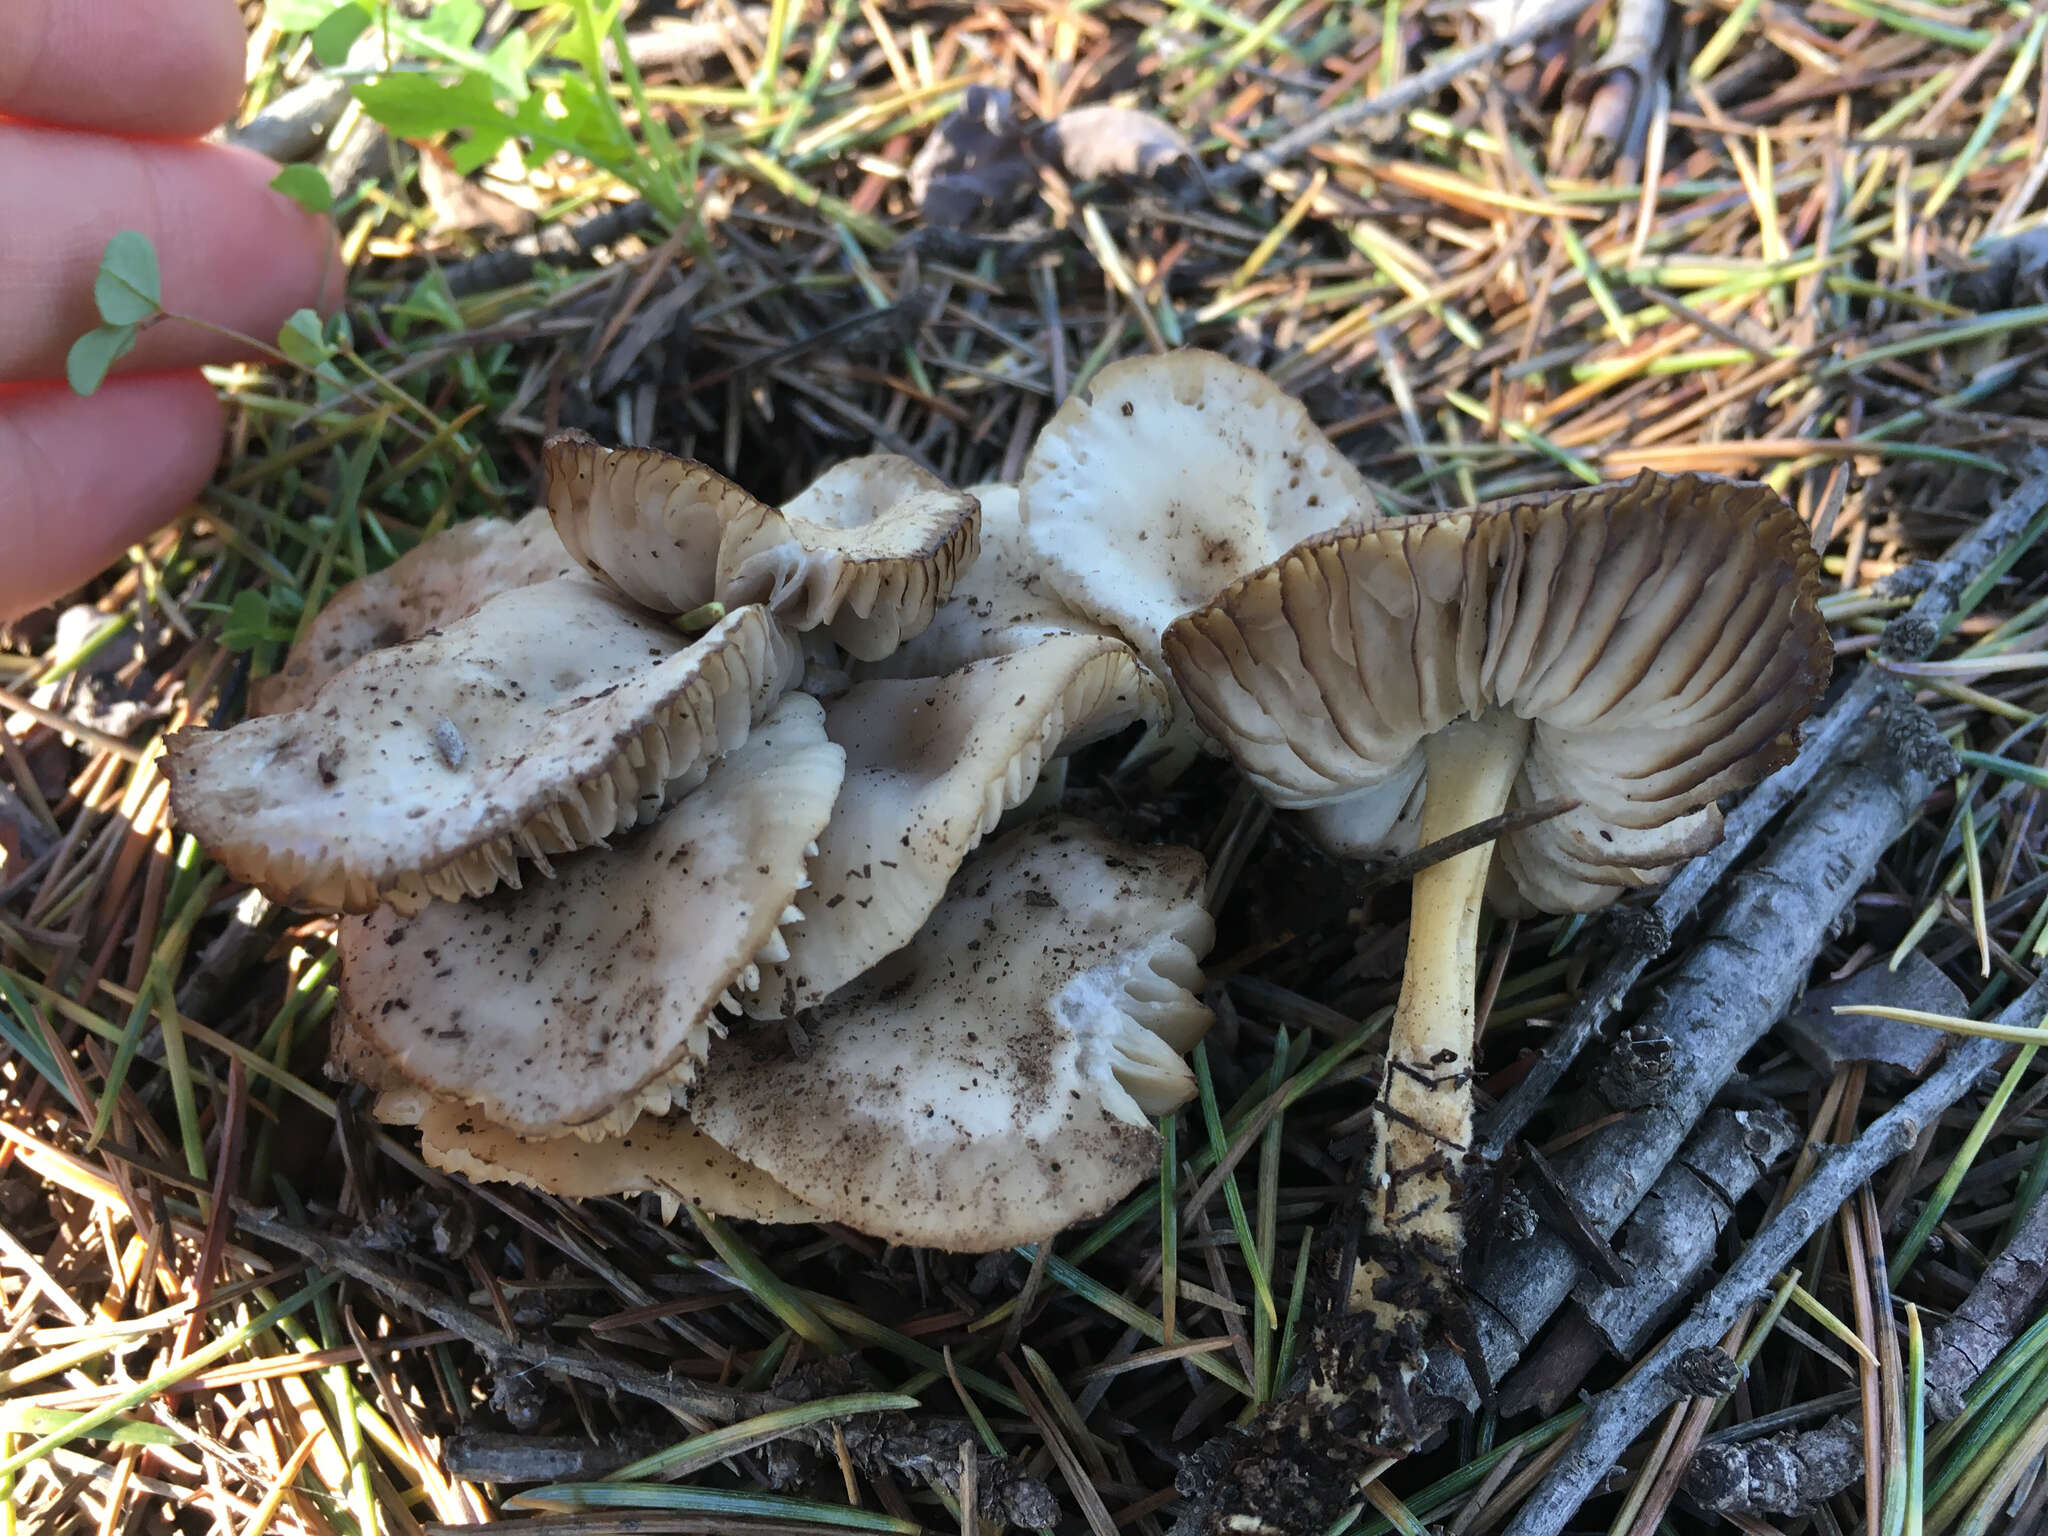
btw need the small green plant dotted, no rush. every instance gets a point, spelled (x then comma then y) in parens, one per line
(304, 185)
(128, 292)
(430, 80)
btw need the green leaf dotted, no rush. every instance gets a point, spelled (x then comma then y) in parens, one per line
(302, 15)
(416, 106)
(301, 340)
(333, 38)
(248, 621)
(304, 185)
(128, 287)
(713, 1501)
(512, 59)
(94, 353)
(453, 22)
(21, 1418)
(573, 113)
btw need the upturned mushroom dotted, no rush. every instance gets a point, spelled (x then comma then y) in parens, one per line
(550, 718)
(1002, 603)
(867, 553)
(443, 579)
(931, 765)
(993, 1081)
(575, 1005)
(1169, 478)
(1639, 649)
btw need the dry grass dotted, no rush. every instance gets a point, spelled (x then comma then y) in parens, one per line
(1786, 270)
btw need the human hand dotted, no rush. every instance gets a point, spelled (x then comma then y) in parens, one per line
(100, 102)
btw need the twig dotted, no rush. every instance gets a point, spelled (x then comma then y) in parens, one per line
(247, 938)
(297, 124)
(98, 740)
(359, 1263)
(1641, 940)
(1618, 1416)
(513, 262)
(1670, 1239)
(2002, 1302)
(1668, 1244)
(1409, 865)
(1416, 88)
(1732, 987)
(481, 1456)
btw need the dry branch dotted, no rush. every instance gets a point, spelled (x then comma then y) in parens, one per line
(1785, 1474)
(1668, 1245)
(1617, 1417)
(1720, 1001)
(2001, 1304)
(359, 1263)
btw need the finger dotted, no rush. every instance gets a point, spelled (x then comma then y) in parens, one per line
(171, 67)
(82, 479)
(233, 252)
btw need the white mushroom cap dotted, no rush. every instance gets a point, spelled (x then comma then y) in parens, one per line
(931, 765)
(549, 719)
(352, 1057)
(868, 551)
(645, 522)
(991, 1083)
(875, 549)
(1661, 635)
(1001, 603)
(665, 1156)
(1171, 478)
(444, 578)
(668, 1157)
(579, 1002)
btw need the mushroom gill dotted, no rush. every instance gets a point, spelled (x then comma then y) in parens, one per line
(1001, 603)
(577, 1004)
(867, 553)
(551, 718)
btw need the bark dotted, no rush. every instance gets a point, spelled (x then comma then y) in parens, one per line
(1669, 1242)
(2003, 1302)
(1733, 986)
(1617, 1417)
(1786, 1474)
(1666, 1246)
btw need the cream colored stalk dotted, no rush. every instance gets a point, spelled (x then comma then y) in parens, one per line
(1423, 1120)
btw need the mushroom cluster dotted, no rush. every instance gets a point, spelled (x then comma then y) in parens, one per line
(657, 817)
(654, 824)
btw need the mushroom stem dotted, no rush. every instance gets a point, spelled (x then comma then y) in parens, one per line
(1423, 1121)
